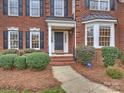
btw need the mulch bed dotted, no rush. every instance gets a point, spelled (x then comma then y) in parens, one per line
(27, 79)
(98, 74)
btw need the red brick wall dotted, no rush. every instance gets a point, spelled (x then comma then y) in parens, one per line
(25, 22)
(120, 31)
(81, 11)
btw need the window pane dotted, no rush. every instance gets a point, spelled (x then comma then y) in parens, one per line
(35, 40)
(99, 5)
(104, 5)
(104, 39)
(13, 7)
(35, 8)
(90, 37)
(94, 4)
(59, 7)
(14, 39)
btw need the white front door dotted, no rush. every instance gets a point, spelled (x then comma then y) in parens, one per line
(60, 42)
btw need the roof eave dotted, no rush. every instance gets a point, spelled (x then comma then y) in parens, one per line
(100, 20)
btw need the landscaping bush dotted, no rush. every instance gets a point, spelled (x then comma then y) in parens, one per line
(85, 54)
(31, 50)
(114, 73)
(20, 52)
(121, 57)
(110, 54)
(6, 61)
(37, 60)
(20, 62)
(10, 51)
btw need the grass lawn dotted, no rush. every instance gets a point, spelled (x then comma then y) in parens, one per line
(52, 90)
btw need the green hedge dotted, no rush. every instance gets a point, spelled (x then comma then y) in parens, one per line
(110, 54)
(6, 61)
(37, 60)
(114, 73)
(31, 50)
(85, 54)
(20, 62)
(10, 51)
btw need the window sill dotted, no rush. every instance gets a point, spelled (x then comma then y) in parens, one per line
(100, 10)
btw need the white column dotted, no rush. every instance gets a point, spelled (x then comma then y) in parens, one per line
(49, 40)
(96, 35)
(112, 37)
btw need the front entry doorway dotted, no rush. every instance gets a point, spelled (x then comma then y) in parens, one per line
(60, 42)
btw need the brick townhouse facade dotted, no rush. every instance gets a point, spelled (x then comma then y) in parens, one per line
(59, 26)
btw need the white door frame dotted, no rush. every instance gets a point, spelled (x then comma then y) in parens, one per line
(65, 37)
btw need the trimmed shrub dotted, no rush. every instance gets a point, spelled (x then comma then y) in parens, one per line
(20, 52)
(6, 61)
(20, 62)
(121, 57)
(114, 73)
(10, 51)
(85, 54)
(31, 50)
(37, 60)
(110, 54)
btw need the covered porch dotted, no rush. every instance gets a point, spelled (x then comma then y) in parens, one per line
(61, 36)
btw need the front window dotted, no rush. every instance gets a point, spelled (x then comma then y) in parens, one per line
(13, 7)
(35, 8)
(13, 39)
(59, 7)
(104, 37)
(103, 5)
(99, 35)
(35, 39)
(90, 37)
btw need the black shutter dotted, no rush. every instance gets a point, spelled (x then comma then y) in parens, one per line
(5, 7)
(41, 40)
(27, 7)
(20, 7)
(5, 39)
(20, 40)
(87, 3)
(112, 4)
(52, 7)
(28, 39)
(65, 8)
(41, 7)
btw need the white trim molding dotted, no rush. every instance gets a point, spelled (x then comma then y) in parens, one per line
(13, 28)
(100, 20)
(61, 23)
(34, 29)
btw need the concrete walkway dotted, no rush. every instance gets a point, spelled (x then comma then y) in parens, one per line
(72, 82)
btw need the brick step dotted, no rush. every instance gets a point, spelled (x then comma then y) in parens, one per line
(61, 63)
(62, 60)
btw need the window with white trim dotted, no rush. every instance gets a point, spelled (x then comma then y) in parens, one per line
(103, 5)
(100, 34)
(13, 7)
(35, 8)
(104, 35)
(58, 7)
(35, 39)
(13, 39)
(90, 37)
